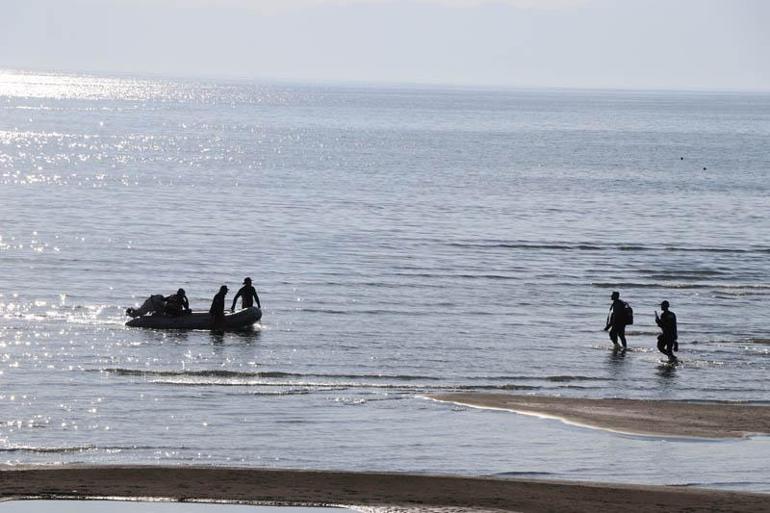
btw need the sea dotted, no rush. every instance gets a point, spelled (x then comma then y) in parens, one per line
(404, 241)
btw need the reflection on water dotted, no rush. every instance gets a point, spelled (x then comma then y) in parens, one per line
(217, 336)
(248, 336)
(667, 371)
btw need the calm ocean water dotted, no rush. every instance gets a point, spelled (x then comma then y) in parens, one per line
(403, 241)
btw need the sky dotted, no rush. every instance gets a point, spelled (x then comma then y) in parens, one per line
(629, 44)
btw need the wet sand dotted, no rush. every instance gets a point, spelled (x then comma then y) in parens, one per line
(371, 491)
(642, 417)
(136, 506)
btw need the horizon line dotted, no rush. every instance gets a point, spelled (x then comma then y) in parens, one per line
(500, 87)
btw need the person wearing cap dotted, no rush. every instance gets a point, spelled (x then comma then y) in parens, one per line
(217, 310)
(616, 321)
(248, 294)
(667, 342)
(177, 304)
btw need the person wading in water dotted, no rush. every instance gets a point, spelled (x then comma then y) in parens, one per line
(217, 310)
(248, 294)
(617, 320)
(667, 342)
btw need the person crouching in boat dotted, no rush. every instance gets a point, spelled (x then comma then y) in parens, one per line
(177, 304)
(248, 294)
(217, 310)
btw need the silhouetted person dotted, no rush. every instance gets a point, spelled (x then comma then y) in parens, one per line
(248, 294)
(177, 304)
(217, 310)
(152, 305)
(667, 342)
(616, 320)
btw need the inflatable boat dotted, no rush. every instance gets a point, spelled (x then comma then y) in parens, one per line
(198, 321)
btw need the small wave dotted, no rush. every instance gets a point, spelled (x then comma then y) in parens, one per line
(499, 387)
(325, 311)
(192, 373)
(529, 377)
(240, 375)
(330, 386)
(274, 393)
(570, 378)
(307, 387)
(686, 275)
(738, 485)
(607, 347)
(25, 448)
(87, 448)
(527, 245)
(592, 246)
(669, 285)
(218, 373)
(522, 473)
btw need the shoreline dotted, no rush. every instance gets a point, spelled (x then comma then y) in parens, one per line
(636, 417)
(350, 489)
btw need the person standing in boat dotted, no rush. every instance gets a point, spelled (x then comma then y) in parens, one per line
(248, 294)
(217, 310)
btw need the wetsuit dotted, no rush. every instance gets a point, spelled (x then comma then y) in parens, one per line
(248, 294)
(217, 310)
(667, 339)
(177, 305)
(617, 322)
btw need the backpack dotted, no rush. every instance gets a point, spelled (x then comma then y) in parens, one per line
(628, 313)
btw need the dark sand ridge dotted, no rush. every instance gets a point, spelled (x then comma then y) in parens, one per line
(644, 417)
(394, 491)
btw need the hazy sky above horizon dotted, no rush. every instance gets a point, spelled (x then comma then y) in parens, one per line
(681, 44)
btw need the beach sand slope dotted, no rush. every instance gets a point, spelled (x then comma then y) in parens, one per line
(393, 492)
(643, 417)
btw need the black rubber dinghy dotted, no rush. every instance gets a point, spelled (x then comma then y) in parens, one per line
(198, 321)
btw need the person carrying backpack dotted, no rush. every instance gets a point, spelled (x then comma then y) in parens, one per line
(619, 317)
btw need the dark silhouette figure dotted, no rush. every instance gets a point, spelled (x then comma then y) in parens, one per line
(667, 341)
(217, 310)
(616, 320)
(248, 294)
(177, 304)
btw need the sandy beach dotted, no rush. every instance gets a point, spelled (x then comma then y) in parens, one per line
(391, 491)
(644, 417)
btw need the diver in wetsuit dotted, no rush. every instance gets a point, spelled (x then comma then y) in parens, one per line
(667, 341)
(248, 294)
(616, 320)
(177, 304)
(217, 310)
